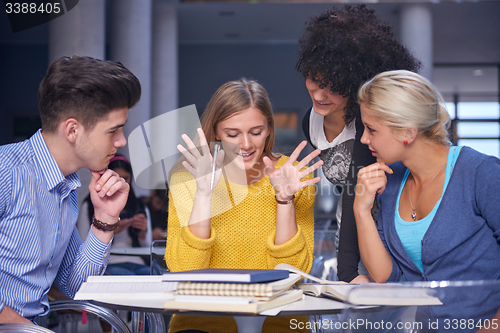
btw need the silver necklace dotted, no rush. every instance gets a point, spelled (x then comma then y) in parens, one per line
(414, 214)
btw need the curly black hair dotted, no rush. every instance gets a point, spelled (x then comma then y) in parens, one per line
(344, 47)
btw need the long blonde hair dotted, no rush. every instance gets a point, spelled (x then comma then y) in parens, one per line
(233, 97)
(402, 99)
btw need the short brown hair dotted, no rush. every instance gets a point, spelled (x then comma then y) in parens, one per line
(86, 89)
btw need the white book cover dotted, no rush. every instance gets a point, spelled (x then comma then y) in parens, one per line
(126, 290)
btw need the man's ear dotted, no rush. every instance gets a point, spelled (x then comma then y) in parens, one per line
(410, 134)
(71, 129)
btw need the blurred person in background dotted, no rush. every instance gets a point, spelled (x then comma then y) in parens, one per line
(157, 203)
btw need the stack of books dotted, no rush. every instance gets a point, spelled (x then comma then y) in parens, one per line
(242, 291)
(214, 290)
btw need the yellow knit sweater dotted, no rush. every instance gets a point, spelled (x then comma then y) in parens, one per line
(241, 237)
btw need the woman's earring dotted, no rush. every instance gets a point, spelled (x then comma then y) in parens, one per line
(405, 143)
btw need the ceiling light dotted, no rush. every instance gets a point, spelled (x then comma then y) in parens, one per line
(478, 72)
(227, 13)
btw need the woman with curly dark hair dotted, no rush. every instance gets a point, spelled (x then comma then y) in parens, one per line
(341, 49)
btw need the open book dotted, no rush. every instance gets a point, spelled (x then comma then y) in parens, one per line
(401, 295)
(374, 294)
(295, 270)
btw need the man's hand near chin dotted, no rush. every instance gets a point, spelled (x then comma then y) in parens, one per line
(109, 194)
(8, 315)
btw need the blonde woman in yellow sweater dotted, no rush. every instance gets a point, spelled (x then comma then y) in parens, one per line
(257, 218)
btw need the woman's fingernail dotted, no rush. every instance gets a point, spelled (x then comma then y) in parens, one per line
(391, 171)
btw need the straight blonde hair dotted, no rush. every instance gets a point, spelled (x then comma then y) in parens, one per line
(233, 97)
(402, 99)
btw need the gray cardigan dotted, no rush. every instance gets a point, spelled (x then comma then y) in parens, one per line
(463, 240)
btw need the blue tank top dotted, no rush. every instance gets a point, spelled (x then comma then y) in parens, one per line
(412, 233)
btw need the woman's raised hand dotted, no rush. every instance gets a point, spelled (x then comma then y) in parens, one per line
(199, 164)
(287, 179)
(371, 180)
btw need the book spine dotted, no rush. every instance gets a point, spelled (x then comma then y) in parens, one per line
(224, 289)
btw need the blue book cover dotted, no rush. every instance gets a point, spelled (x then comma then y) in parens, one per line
(228, 275)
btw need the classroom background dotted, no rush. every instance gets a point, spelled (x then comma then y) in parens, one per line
(183, 50)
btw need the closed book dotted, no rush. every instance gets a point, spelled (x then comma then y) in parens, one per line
(124, 278)
(231, 304)
(262, 289)
(122, 289)
(228, 275)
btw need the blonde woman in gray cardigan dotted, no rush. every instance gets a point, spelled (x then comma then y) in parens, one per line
(439, 217)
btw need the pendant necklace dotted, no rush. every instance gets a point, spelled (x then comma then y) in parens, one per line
(414, 214)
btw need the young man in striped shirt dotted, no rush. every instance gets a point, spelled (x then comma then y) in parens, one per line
(83, 106)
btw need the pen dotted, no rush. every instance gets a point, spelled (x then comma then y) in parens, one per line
(216, 150)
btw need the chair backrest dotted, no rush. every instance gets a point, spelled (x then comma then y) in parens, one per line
(156, 322)
(21, 328)
(458, 306)
(106, 314)
(325, 255)
(157, 259)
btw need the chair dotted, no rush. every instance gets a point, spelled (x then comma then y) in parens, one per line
(106, 314)
(153, 322)
(21, 328)
(466, 305)
(148, 322)
(156, 322)
(324, 266)
(325, 255)
(325, 230)
(158, 267)
(157, 261)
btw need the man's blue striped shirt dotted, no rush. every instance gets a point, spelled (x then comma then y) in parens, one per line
(39, 241)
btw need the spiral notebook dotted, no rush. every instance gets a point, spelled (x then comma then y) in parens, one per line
(259, 290)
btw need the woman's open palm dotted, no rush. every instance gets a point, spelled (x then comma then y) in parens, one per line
(287, 180)
(199, 164)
